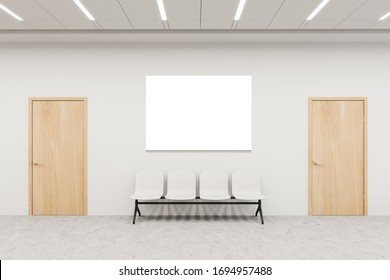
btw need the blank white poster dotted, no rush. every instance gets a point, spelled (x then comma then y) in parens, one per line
(198, 113)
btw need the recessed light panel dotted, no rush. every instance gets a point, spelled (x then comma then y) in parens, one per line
(161, 7)
(385, 16)
(318, 9)
(11, 13)
(239, 9)
(85, 11)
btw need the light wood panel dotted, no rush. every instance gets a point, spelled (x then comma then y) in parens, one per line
(58, 156)
(337, 157)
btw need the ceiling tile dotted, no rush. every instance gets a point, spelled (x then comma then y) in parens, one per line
(253, 24)
(297, 9)
(115, 24)
(354, 24)
(286, 24)
(217, 24)
(373, 10)
(105, 9)
(78, 24)
(334, 13)
(218, 14)
(260, 9)
(147, 24)
(183, 14)
(339, 9)
(184, 10)
(63, 9)
(46, 24)
(322, 24)
(385, 24)
(144, 10)
(12, 24)
(27, 9)
(219, 10)
(184, 24)
(5, 17)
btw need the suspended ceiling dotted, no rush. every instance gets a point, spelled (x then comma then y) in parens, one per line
(195, 15)
(195, 21)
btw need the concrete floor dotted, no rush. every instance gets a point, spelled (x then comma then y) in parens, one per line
(212, 237)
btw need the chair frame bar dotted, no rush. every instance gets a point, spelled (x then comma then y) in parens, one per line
(258, 203)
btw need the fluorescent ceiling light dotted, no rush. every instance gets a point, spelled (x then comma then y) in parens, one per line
(239, 9)
(160, 4)
(319, 8)
(385, 16)
(8, 11)
(85, 11)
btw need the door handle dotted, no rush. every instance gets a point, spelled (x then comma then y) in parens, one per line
(315, 163)
(36, 163)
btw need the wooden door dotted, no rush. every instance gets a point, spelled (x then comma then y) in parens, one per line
(337, 169)
(58, 157)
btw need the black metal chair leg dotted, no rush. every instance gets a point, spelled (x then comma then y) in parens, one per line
(258, 207)
(139, 212)
(261, 213)
(135, 211)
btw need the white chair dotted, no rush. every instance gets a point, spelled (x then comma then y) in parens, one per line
(246, 186)
(181, 185)
(214, 185)
(149, 184)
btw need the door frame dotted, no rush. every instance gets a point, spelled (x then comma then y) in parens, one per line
(365, 158)
(30, 145)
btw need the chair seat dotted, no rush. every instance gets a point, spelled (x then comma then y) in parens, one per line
(146, 196)
(248, 196)
(214, 196)
(179, 196)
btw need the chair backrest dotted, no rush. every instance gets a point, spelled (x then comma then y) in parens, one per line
(246, 184)
(149, 183)
(214, 184)
(181, 185)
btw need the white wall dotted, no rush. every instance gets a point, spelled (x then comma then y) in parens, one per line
(113, 78)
